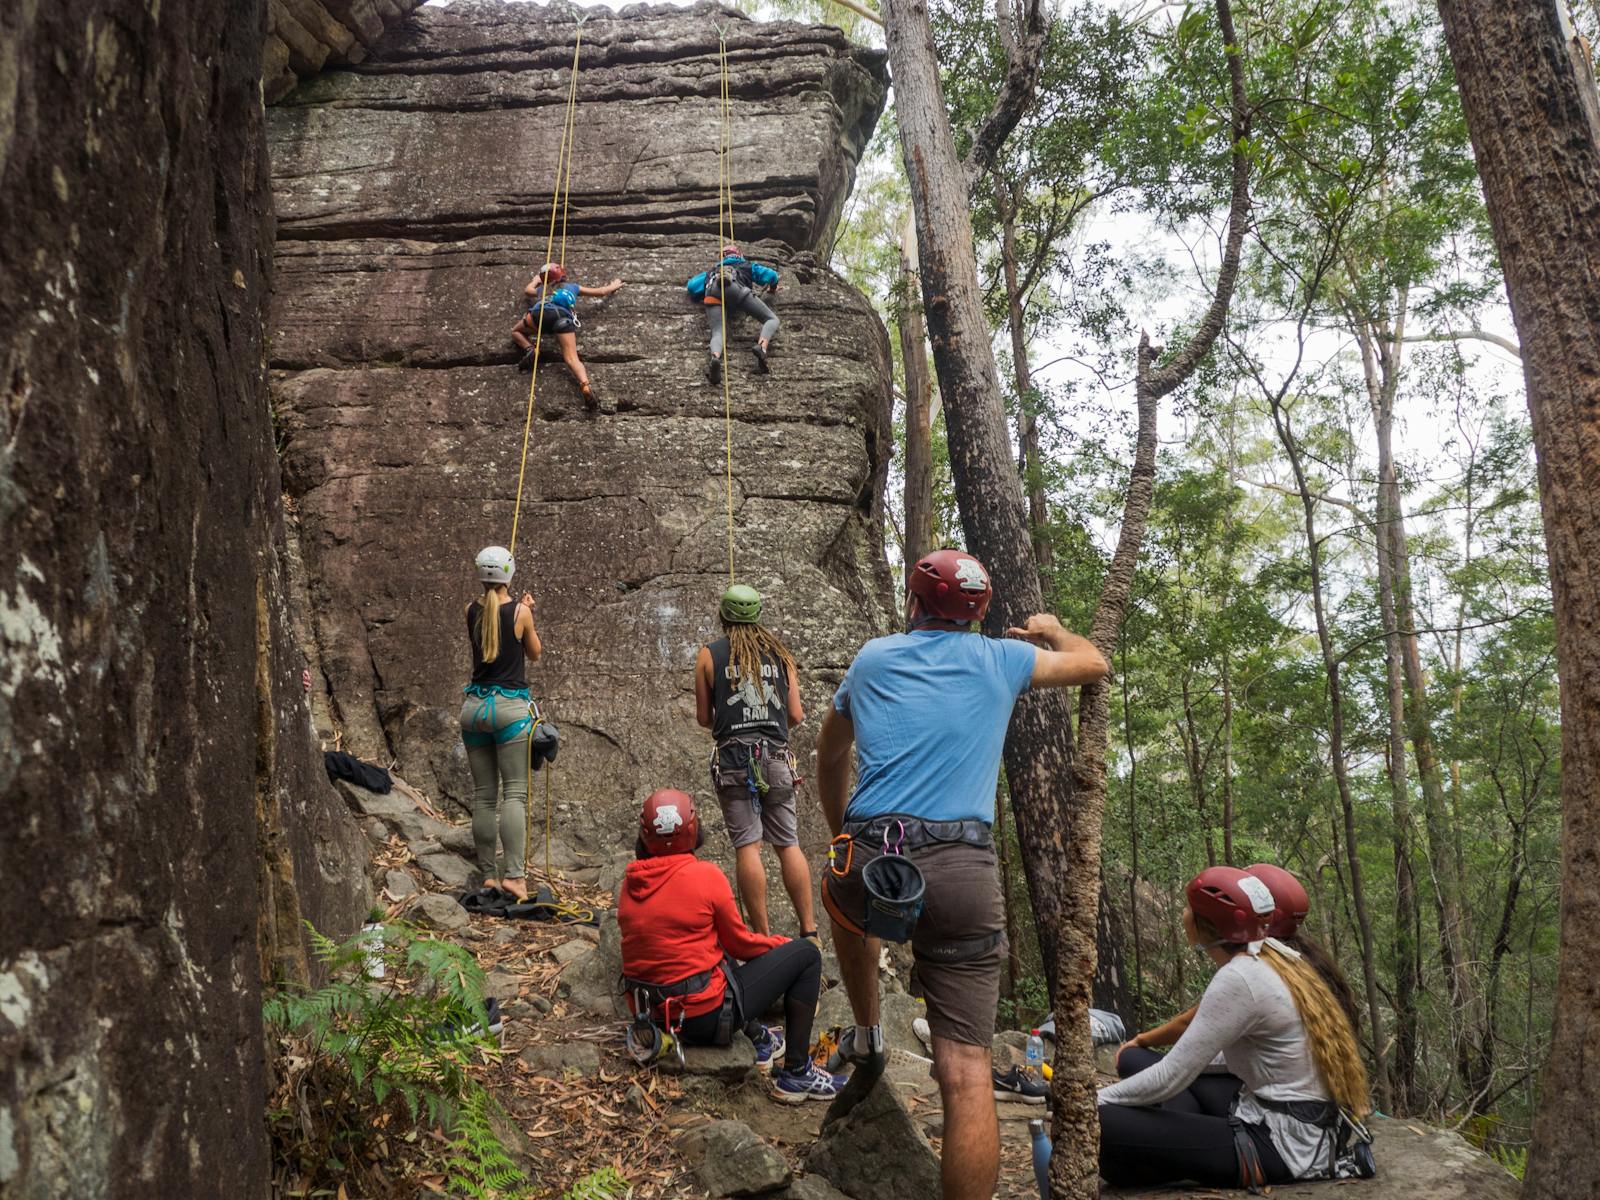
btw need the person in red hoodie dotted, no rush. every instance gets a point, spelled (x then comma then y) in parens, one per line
(680, 929)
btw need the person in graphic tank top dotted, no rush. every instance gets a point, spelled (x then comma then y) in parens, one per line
(496, 718)
(747, 693)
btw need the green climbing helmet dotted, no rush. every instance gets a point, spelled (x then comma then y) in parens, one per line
(741, 605)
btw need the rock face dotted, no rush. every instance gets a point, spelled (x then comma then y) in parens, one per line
(876, 1152)
(413, 199)
(304, 36)
(167, 823)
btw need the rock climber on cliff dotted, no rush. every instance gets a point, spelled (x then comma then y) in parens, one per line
(495, 718)
(680, 936)
(552, 302)
(913, 854)
(728, 289)
(747, 692)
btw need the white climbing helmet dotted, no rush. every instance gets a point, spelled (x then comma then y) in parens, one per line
(495, 565)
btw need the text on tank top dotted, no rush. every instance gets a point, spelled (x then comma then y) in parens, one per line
(507, 668)
(752, 708)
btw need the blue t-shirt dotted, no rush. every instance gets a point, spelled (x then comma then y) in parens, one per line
(930, 710)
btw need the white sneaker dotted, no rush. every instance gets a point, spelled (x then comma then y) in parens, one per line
(919, 1026)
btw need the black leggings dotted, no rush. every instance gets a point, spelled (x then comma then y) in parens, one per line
(792, 971)
(1186, 1137)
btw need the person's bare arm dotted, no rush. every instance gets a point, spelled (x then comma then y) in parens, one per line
(614, 286)
(702, 687)
(1065, 659)
(529, 636)
(837, 736)
(1162, 1035)
(797, 712)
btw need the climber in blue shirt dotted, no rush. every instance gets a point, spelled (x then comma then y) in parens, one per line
(552, 302)
(729, 289)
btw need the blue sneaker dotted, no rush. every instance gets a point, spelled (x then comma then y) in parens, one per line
(806, 1082)
(769, 1047)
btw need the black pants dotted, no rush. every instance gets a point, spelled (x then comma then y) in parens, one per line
(794, 972)
(1186, 1137)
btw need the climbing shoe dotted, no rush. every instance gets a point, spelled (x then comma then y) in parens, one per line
(805, 1082)
(850, 1053)
(761, 360)
(714, 369)
(769, 1047)
(1019, 1084)
(526, 362)
(588, 395)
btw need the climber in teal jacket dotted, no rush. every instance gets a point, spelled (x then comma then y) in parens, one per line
(727, 290)
(552, 301)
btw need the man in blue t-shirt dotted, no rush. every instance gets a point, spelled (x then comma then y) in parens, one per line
(927, 712)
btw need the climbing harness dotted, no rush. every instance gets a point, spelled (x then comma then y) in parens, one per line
(559, 200)
(647, 1041)
(483, 732)
(1345, 1140)
(725, 226)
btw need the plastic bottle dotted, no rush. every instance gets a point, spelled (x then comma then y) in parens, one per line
(1035, 1052)
(1041, 1157)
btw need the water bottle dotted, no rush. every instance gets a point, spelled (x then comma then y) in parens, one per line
(1041, 1157)
(1035, 1053)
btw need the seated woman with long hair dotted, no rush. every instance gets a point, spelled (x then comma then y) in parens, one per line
(1279, 1030)
(1292, 904)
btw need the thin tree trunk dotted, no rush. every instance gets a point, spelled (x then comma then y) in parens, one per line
(1195, 768)
(919, 408)
(1227, 759)
(1358, 895)
(1013, 934)
(1057, 789)
(1133, 843)
(1022, 377)
(1402, 1065)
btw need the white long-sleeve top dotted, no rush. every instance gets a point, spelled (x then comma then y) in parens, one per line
(1248, 1017)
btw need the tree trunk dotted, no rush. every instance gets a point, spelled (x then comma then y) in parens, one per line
(1013, 934)
(1027, 408)
(1402, 1065)
(919, 409)
(1336, 752)
(1227, 758)
(1057, 789)
(1133, 843)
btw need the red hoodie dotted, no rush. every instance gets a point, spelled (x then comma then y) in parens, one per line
(678, 919)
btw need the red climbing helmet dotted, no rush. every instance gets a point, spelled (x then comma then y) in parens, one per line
(552, 273)
(1237, 903)
(1288, 893)
(952, 586)
(669, 823)
(731, 251)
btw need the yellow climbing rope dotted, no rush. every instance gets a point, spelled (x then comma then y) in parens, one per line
(559, 199)
(725, 208)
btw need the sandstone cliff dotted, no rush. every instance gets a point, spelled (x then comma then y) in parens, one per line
(166, 818)
(413, 197)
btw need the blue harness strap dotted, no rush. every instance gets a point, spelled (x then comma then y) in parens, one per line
(484, 715)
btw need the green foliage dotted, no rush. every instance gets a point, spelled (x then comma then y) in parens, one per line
(375, 1048)
(604, 1184)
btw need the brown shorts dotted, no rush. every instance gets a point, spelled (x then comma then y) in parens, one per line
(776, 821)
(962, 901)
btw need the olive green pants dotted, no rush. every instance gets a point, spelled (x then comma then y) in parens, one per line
(499, 782)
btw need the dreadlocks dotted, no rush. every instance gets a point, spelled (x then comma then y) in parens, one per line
(748, 644)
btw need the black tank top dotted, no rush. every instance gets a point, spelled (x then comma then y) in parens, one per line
(756, 709)
(506, 670)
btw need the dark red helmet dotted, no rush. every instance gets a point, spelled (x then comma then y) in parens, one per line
(669, 823)
(552, 273)
(731, 251)
(1236, 903)
(952, 586)
(1288, 893)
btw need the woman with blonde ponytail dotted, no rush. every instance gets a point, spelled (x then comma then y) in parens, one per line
(495, 718)
(1295, 1088)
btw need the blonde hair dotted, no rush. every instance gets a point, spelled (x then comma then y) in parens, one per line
(489, 624)
(748, 644)
(1328, 1030)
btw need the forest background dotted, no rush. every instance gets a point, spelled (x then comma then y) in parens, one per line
(1339, 652)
